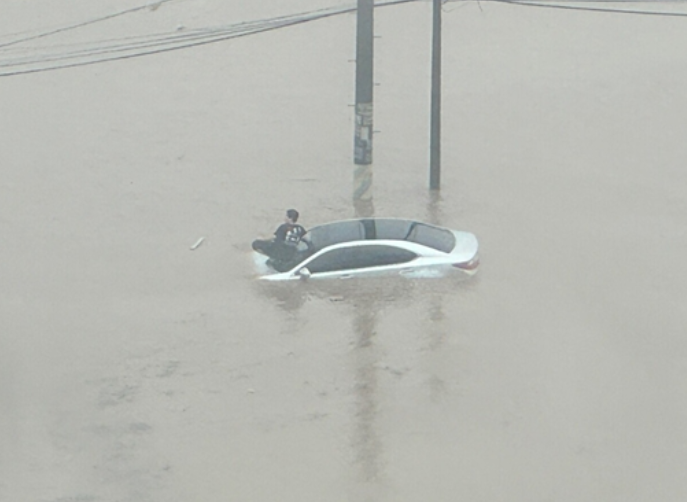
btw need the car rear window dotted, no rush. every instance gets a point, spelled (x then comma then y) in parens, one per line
(433, 237)
(359, 257)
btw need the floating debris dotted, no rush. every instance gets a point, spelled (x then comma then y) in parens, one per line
(198, 243)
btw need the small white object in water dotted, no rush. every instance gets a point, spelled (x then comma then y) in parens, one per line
(198, 243)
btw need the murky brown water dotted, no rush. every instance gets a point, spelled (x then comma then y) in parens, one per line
(135, 369)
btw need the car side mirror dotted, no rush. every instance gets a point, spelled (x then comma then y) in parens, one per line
(304, 273)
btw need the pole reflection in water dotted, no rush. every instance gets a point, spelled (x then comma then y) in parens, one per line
(363, 203)
(436, 330)
(366, 443)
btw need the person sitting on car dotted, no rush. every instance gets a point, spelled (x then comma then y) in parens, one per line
(282, 247)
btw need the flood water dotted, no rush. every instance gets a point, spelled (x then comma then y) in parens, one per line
(133, 368)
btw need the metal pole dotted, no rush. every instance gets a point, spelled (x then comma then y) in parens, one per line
(435, 128)
(364, 84)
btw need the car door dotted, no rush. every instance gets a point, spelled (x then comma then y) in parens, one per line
(360, 259)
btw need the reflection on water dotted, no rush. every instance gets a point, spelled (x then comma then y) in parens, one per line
(393, 291)
(435, 314)
(434, 210)
(365, 439)
(289, 296)
(364, 208)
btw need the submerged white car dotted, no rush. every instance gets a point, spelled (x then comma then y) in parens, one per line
(375, 246)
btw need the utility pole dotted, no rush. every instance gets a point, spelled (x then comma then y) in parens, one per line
(364, 83)
(435, 127)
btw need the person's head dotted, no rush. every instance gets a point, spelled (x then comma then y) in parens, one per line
(292, 215)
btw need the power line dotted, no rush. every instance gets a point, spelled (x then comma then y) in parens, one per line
(34, 60)
(567, 6)
(82, 24)
(88, 54)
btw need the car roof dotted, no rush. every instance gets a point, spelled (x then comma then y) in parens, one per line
(377, 229)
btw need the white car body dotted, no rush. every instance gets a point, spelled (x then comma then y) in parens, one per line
(378, 246)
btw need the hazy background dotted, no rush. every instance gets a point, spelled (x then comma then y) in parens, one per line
(135, 369)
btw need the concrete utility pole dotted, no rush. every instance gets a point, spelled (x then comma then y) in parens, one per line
(364, 83)
(435, 127)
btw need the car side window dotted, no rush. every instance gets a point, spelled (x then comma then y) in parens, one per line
(359, 257)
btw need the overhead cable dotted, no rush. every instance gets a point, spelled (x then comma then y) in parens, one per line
(44, 59)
